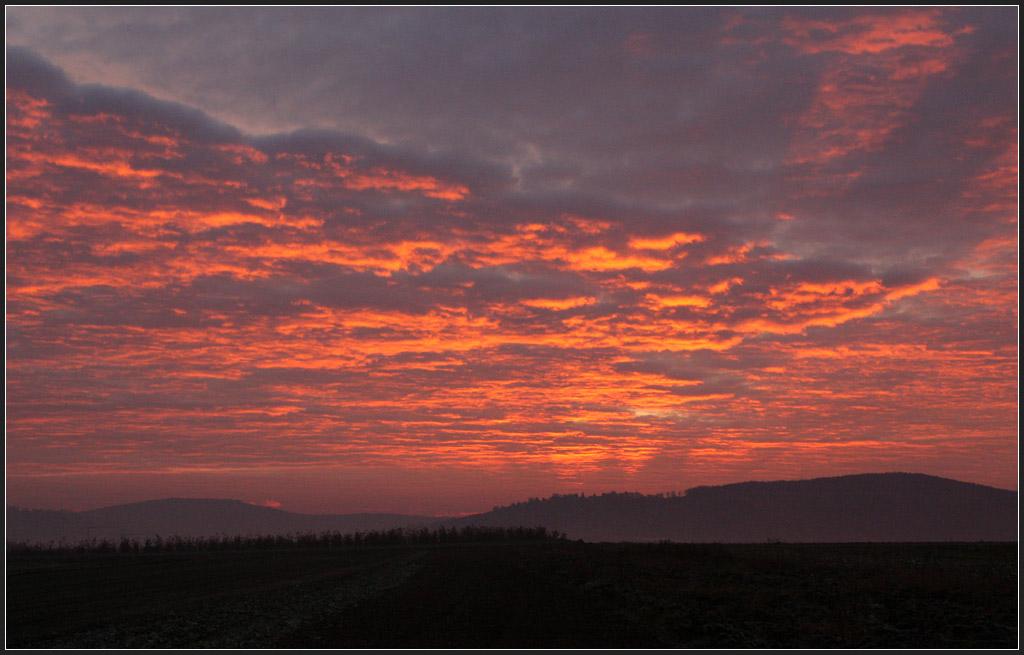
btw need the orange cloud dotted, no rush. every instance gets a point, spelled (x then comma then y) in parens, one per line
(885, 62)
(385, 179)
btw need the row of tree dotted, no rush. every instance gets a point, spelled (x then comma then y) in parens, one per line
(610, 495)
(373, 538)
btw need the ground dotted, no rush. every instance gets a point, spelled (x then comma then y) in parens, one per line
(552, 594)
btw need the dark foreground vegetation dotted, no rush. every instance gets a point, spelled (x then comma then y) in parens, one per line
(502, 593)
(394, 537)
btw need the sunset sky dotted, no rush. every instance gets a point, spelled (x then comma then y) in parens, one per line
(430, 261)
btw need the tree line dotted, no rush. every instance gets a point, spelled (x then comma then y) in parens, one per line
(610, 496)
(372, 538)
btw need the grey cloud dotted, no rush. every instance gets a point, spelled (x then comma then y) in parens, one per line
(500, 83)
(500, 283)
(677, 183)
(714, 373)
(26, 70)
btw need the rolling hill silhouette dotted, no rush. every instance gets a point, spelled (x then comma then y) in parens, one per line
(196, 517)
(867, 507)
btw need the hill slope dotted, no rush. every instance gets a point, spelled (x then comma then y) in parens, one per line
(188, 517)
(867, 507)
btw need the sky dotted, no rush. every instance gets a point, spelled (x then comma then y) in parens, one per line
(435, 260)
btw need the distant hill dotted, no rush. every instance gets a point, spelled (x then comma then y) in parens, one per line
(188, 517)
(868, 507)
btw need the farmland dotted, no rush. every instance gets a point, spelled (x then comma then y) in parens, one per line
(554, 593)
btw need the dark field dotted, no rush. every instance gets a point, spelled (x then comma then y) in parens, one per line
(554, 594)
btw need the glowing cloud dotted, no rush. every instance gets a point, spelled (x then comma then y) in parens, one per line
(796, 273)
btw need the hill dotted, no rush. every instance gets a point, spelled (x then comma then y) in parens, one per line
(197, 517)
(866, 507)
